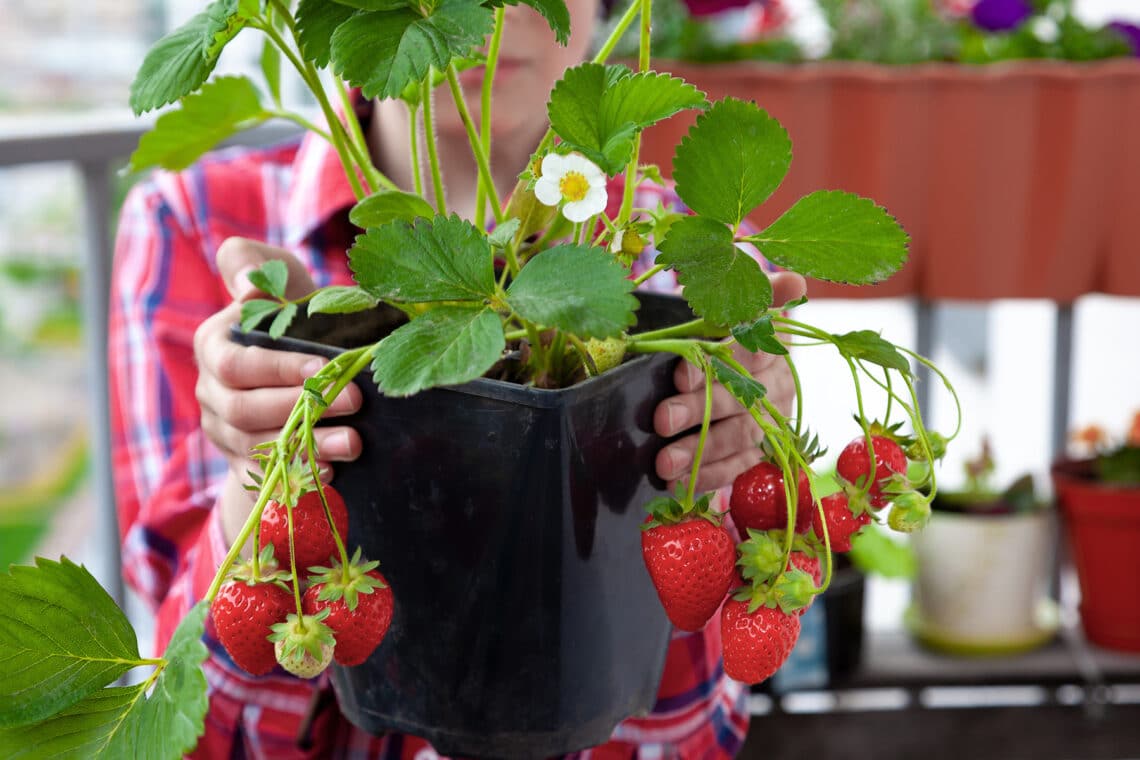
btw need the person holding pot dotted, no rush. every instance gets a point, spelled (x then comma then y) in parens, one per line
(188, 404)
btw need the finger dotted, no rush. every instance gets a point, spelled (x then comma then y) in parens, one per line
(236, 445)
(237, 257)
(242, 367)
(337, 444)
(725, 439)
(787, 286)
(684, 411)
(714, 475)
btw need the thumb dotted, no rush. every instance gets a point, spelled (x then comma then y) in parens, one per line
(787, 286)
(237, 257)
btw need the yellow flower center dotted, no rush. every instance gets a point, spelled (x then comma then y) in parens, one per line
(573, 186)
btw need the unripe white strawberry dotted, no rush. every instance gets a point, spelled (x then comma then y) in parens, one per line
(304, 644)
(606, 354)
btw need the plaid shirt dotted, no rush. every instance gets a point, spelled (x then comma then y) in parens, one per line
(168, 475)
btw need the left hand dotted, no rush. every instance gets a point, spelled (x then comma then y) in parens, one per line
(732, 443)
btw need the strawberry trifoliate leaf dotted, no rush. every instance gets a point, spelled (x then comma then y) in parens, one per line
(254, 312)
(437, 259)
(747, 390)
(123, 721)
(580, 289)
(731, 160)
(598, 109)
(282, 321)
(179, 138)
(721, 282)
(181, 61)
(64, 638)
(554, 11)
(836, 236)
(382, 52)
(271, 277)
(759, 336)
(869, 346)
(341, 299)
(388, 205)
(316, 22)
(446, 346)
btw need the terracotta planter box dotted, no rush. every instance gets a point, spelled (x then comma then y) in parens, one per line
(1027, 172)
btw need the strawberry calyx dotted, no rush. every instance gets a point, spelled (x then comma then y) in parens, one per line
(264, 570)
(670, 510)
(298, 481)
(303, 643)
(761, 556)
(346, 582)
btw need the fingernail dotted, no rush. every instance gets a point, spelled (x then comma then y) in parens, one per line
(311, 367)
(692, 375)
(678, 417)
(345, 402)
(335, 445)
(679, 460)
(241, 282)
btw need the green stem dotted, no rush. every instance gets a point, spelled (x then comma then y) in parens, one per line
(485, 179)
(631, 170)
(432, 148)
(485, 105)
(702, 437)
(648, 273)
(300, 121)
(414, 151)
(311, 448)
(694, 328)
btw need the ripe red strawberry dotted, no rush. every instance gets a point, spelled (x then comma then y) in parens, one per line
(359, 607)
(312, 537)
(842, 524)
(758, 500)
(755, 644)
(810, 565)
(244, 614)
(854, 465)
(692, 565)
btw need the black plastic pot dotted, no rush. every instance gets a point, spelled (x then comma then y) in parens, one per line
(506, 519)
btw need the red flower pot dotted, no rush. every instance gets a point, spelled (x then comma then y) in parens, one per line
(1102, 525)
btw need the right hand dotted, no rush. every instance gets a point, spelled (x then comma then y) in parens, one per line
(247, 393)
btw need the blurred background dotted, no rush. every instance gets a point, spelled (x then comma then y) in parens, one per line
(1024, 288)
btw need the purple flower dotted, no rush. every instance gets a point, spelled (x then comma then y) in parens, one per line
(1131, 33)
(711, 7)
(1000, 15)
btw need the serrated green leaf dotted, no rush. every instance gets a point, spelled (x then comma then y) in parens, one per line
(63, 638)
(122, 721)
(555, 12)
(836, 236)
(341, 299)
(388, 205)
(271, 277)
(446, 346)
(248, 9)
(375, 5)
(255, 311)
(721, 283)
(181, 61)
(282, 321)
(869, 346)
(504, 233)
(437, 259)
(872, 551)
(732, 159)
(759, 336)
(580, 289)
(382, 52)
(598, 109)
(747, 390)
(205, 118)
(316, 22)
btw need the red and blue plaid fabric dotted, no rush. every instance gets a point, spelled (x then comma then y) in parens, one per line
(168, 475)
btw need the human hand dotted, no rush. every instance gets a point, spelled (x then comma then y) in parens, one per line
(247, 393)
(731, 446)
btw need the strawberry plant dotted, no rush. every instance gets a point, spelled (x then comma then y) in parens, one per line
(539, 293)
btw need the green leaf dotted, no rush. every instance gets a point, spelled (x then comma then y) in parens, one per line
(580, 289)
(759, 336)
(282, 321)
(340, 299)
(836, 236)
(747, 390)
(868, 346)
(271, 277)
(554, 11)
(446, 346)
(388, 205)
(504, 233)
(271, 69)
(316, 22)
(722, 283)
(254, 312)
(598, 109)
(383, 51)
(122, 721)
(872, 551)
(375, 5)
(438, 259)
(179, 138)
(732, 159)
(63, 638)
(181, 61)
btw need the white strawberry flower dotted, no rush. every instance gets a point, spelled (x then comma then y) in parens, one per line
(574, 182)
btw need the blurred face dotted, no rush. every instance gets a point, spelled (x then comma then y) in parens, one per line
(530, 62)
